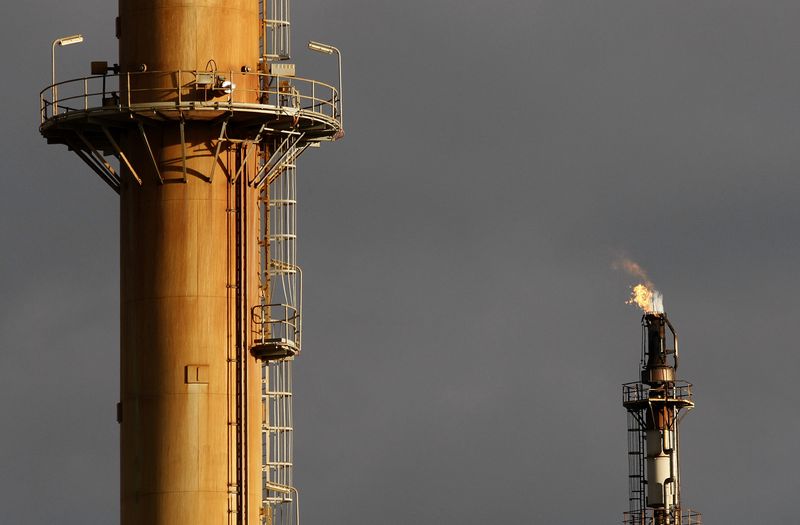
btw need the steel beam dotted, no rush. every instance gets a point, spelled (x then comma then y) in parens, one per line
(150, 151)
(99, 158)
(121, 155)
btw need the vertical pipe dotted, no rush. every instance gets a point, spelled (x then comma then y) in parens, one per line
(53, 87)
(661, 421)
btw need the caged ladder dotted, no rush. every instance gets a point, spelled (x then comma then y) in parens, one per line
(277, 323)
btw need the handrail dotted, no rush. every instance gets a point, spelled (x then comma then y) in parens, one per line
(638, 391)
(192, 89)
(645, 517)
(268, 325)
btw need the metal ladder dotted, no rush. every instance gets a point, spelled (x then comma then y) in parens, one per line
(280, 317)
(636, 478)
(275, 40)
(281, 320)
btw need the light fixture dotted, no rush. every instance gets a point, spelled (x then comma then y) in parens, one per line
(63, 41)
(274, 487)
(320, 47)
(69, 40)
(224, 85)
(327, 49)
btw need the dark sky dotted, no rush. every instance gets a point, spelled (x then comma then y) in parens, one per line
(465, 336)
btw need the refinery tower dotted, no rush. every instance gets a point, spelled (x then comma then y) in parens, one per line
(206, 118)
(655, 406)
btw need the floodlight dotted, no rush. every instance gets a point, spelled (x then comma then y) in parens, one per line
(63, 41)
(321, 48)
(69, 40)
(327, 49)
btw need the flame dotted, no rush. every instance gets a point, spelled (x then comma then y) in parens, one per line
(644, 295)
(646, 298)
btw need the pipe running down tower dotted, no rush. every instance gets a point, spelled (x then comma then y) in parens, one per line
(206, 120)
(655, 405)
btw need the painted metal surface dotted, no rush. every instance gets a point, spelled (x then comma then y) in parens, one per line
(206, 140)
(655, 405)
(190, 451)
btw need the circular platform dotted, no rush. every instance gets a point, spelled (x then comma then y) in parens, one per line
(249, 102)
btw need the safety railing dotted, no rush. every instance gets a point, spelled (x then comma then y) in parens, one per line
(187, 90)
(80, 95)
(276, 322)
(275, 40)
(687, 517)
(279, 497)
(637, 391)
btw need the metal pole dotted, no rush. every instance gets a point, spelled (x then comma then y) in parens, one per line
(341, 103)
(328, 49)
(53, 89)
(62, 41)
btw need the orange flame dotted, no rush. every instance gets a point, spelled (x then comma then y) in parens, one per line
(645, 298)
(644, 295)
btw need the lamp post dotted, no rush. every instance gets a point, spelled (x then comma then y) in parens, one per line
(328, 49)
(63, 41)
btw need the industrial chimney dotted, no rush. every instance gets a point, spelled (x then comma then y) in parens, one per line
(206, 119)
(655, 406)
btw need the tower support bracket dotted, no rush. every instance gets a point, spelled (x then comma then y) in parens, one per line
(150, 151)
(285, 152)
(121, 155)
(101, 162)
(249, 154)
(92, 163)
(182, 124)
(218, 147)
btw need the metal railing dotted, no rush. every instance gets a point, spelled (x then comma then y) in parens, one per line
(637, 391)
(276, 322)
(687, 517)
(191, 90)
(275, 41)
(279, 496)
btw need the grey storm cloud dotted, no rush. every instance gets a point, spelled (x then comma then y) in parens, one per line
(465, 335)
